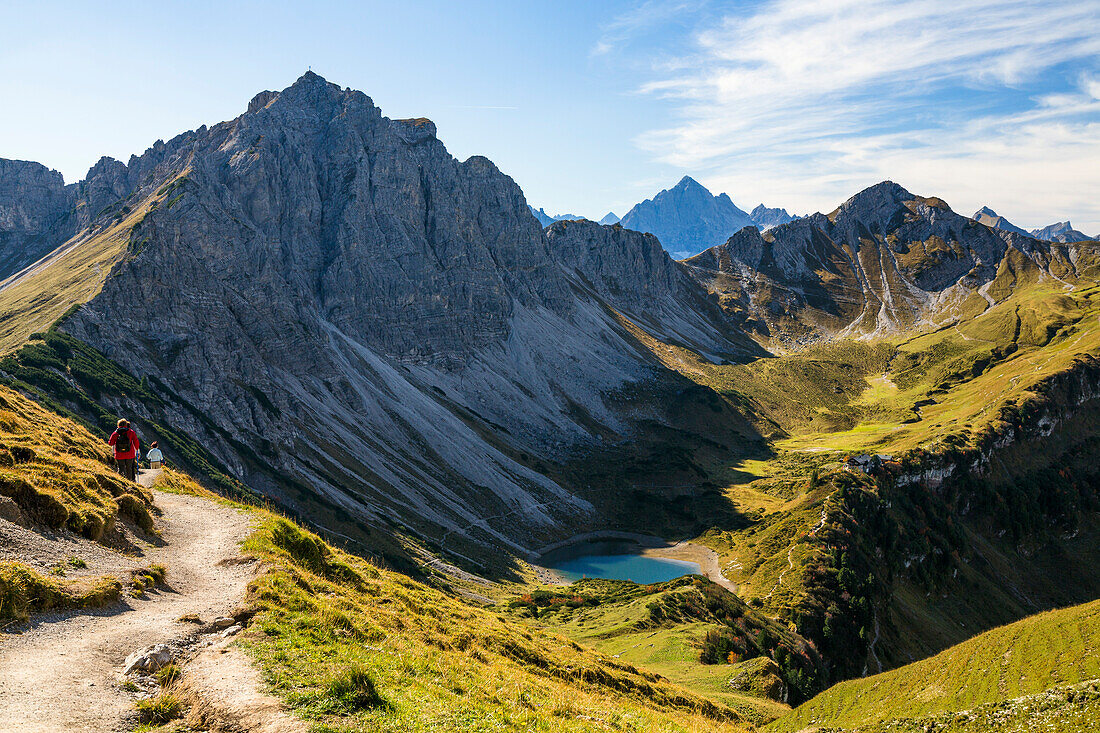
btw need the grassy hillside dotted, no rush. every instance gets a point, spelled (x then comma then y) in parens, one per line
(354, 647)
(1021, 659)
(58, 474)
(54, 473)
(690, 630)
(953, 381)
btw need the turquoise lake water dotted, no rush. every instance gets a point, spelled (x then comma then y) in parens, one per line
(620, 566)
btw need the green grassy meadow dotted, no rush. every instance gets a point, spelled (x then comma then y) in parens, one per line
(1048, 650)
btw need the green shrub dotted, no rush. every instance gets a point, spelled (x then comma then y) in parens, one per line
(133, 508)
(353, 689)
(22, 591)
(159, 710)
(168, 674)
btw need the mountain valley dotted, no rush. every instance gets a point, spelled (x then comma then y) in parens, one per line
(879, 423)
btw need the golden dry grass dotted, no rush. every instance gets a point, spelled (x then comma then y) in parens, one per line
(60, 475)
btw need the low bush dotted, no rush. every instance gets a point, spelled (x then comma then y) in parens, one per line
(159, 710)
(353, 689)
(168, 674)
(24, 591)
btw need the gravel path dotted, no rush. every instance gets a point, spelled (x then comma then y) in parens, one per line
(60, 673)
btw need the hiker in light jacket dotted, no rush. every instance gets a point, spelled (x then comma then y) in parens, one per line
(154, 456)
(126, 444)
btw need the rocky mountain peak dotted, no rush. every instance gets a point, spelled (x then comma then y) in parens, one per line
(884, 193)
(874, 207)
(1061, 231)
(687, 218)
(311, 79)
(690, 188)
(991, 218)
(312, 92)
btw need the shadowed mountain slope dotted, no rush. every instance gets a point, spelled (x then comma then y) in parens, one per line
(636, 276)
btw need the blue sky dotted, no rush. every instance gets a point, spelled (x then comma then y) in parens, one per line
(593, 106)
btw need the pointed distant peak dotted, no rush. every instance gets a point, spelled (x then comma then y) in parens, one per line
(689, 182)
(610, 218)
(991, 218)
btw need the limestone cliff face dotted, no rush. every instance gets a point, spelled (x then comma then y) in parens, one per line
(342, 312)
(39, 213)
(34, 204)
(884, 261)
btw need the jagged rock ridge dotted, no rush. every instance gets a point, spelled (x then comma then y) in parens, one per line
(766, 218)
(885, 261)
(1061, 231)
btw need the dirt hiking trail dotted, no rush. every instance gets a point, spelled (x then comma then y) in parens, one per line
(60, 672)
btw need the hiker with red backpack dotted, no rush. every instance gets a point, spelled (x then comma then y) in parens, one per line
(126, 444)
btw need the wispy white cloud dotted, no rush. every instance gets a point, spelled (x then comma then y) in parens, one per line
(978, 101)
(645, 17)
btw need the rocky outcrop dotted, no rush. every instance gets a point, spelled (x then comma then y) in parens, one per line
(687, 218)
(39, 213)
